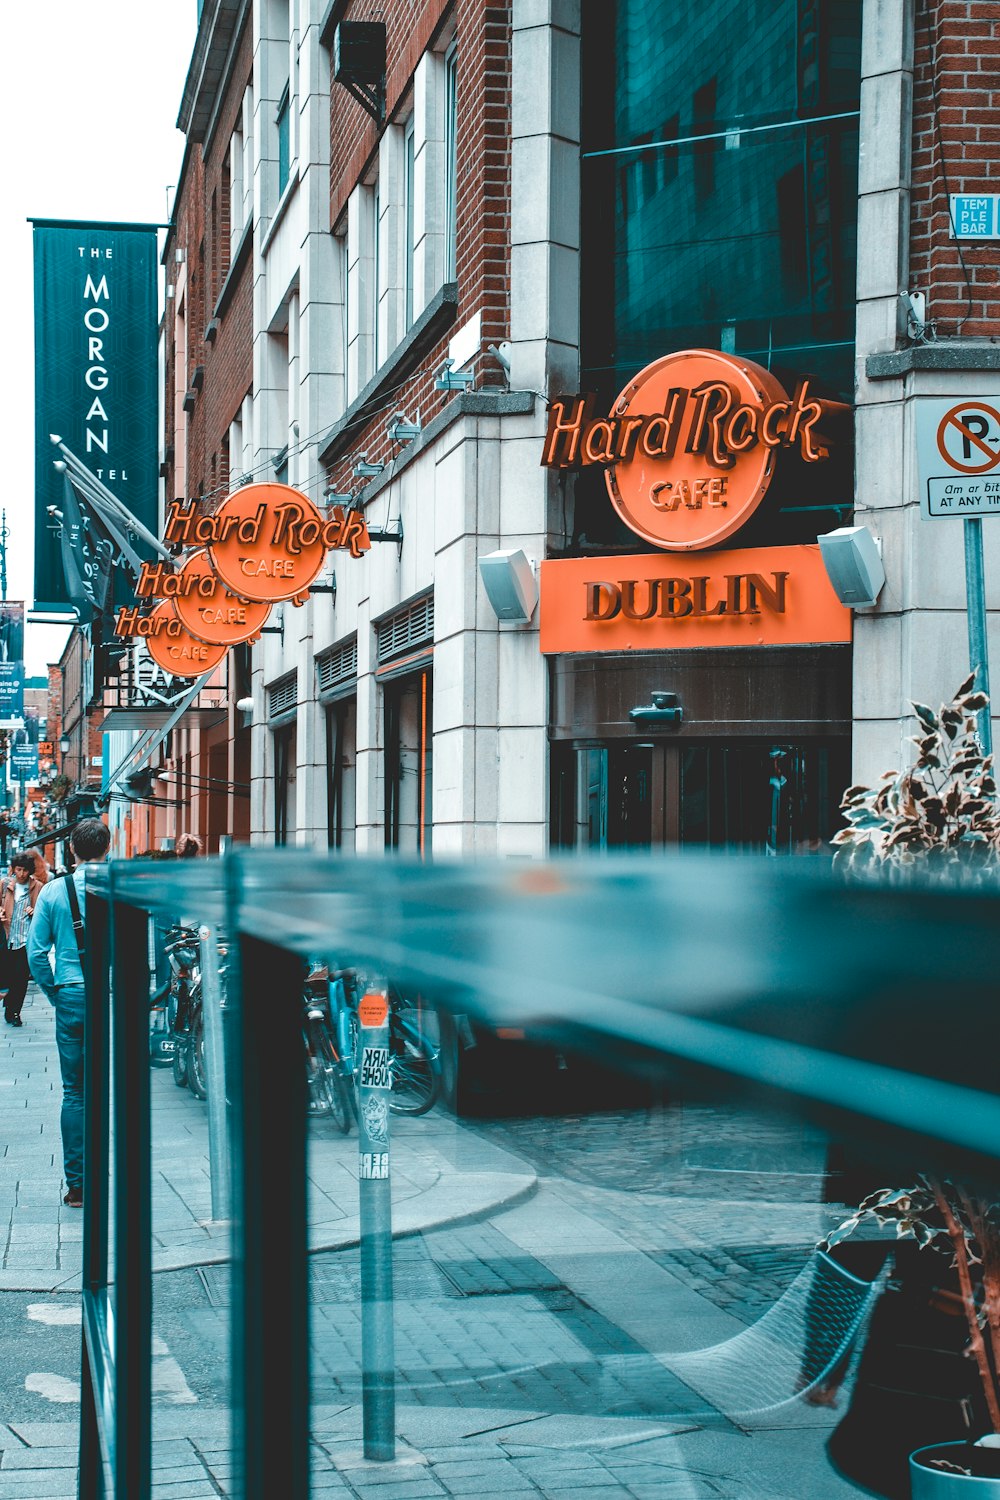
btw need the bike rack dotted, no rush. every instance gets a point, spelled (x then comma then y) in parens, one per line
(775, 972)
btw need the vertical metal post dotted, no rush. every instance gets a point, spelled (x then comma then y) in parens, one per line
(215, 1071)
(378, 1361)
(96, 1146)
(271, 1307)
(975, 587)
(133, 1215)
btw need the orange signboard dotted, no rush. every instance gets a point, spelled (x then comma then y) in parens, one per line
(266, 543)
(172, 647)
(759, 596)
(210, 611)
(373, 1009)
(691, 443)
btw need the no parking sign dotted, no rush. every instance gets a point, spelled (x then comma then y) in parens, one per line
(958, 457)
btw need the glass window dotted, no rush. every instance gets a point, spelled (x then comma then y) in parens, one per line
(284, 783)
(407, 705)
(376, 202)
(283, 120)
(341, 773)
(450, 161)
(731, 221)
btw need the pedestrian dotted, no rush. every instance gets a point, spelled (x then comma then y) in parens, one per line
(42, 871)
(18, 894)
(58, 923)
(187, 846)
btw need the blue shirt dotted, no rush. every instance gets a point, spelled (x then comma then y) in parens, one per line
(52, 927)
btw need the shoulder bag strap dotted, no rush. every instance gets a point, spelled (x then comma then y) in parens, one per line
(74, 906)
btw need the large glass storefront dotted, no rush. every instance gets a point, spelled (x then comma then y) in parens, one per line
(719, 211)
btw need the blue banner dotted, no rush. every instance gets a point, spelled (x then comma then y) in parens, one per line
(95, 375)
(24, 749)
(11, 661)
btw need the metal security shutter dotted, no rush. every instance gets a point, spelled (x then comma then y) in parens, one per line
(406, 631)
(337, 670)
(282, 696)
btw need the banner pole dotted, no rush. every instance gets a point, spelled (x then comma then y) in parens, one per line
(975, 589)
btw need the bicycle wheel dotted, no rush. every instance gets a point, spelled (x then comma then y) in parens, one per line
(196, 1056)
(326, 1082)
(413, 1067)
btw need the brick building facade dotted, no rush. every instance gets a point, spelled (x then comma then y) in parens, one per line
(374, 306)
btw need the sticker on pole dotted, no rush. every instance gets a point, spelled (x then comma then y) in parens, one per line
(958, 455)
(375, 1068)
(373, 1165)
(373, 1009)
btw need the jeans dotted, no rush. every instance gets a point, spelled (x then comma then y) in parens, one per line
(70, 1010)
(17, 981)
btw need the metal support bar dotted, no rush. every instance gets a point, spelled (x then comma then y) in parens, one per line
(215, 1071)
(96, 1412)
(378, 1362)
(975, 587)
(271, 1312)
(133, 1215)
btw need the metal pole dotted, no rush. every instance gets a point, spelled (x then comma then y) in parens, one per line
(975, 588)
(215, 1071)
(378, 1361)
(133, 1354)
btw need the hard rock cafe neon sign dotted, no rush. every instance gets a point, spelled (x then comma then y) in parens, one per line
(690, 445)
(266, 543)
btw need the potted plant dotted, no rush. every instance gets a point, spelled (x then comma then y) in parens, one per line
(942, 811)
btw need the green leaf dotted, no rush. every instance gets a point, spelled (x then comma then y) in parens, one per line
(927, 716)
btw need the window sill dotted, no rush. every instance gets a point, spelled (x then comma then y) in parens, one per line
(288, 193)
(439, 314)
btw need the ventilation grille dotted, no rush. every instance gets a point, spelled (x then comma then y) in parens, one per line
(406, 629)
(281, 696)
(338, 666)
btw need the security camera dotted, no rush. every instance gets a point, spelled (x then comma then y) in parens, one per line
(501, 353)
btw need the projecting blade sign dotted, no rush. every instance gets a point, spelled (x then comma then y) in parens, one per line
(958, 456)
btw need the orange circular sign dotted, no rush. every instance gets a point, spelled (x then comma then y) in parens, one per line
(269, 542)
(706, 425)
(210, 612)
(373, 1009)
(175, 649)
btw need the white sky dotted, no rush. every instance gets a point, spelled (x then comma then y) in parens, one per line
(91, 91)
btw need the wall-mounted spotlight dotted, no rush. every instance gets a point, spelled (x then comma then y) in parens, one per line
(244, 705)
(364, 470)
(450, 379)
(401, 430)
(509, 580)
(853, 561)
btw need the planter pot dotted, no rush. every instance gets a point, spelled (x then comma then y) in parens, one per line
(939, 1484)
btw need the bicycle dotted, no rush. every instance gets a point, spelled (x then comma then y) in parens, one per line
(414, 1059)
(329, 1092)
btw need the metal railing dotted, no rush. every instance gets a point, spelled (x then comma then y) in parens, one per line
(876, 1007)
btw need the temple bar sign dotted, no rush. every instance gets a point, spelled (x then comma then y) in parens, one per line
(958, 456)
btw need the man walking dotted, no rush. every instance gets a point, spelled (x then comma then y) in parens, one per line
(54, 925)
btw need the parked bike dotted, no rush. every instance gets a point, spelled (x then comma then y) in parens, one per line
(414, 1055)
(330, 1091)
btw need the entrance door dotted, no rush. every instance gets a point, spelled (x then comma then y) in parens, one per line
(752, 795)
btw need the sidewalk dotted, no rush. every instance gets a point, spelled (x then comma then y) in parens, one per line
(433, 1183)
(531, 1341)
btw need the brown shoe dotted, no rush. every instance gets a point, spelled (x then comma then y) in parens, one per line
(74, 1198)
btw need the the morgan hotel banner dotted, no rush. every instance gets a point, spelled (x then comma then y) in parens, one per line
(95, 373)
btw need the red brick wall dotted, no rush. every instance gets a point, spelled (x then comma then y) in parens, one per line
(483, 207)
(956, 149)
(205, 237)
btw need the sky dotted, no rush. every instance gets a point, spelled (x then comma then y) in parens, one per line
(91, 96)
